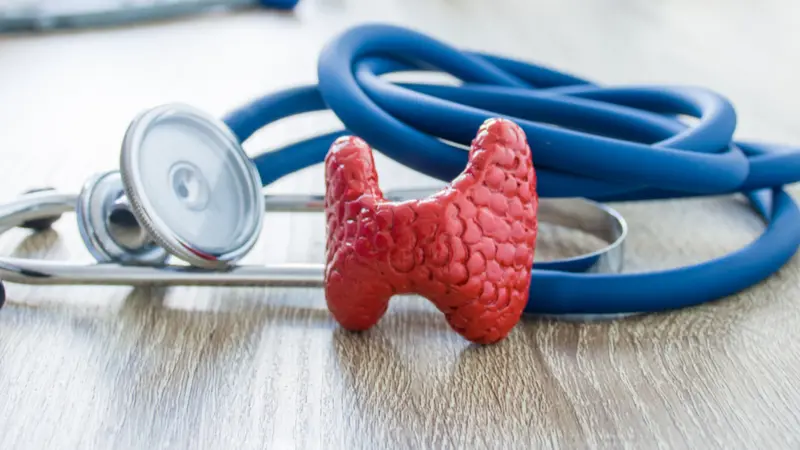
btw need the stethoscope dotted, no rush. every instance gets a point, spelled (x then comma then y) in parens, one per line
(186, 188)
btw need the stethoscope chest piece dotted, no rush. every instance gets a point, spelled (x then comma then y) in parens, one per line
(108, 227)
(185, 187)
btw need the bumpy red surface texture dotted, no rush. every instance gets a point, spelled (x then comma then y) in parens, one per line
(468, 248)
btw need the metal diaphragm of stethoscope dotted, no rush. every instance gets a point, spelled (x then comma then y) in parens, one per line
(186, 188)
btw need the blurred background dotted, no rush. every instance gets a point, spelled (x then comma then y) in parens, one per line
(80, 87)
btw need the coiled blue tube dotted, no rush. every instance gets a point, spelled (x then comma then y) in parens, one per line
(602, 143)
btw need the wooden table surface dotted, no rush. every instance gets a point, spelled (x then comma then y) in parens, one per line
(197, 368)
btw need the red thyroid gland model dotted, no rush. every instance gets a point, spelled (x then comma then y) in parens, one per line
(468, 249)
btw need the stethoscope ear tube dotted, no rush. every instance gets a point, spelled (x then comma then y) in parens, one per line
(586, 216)
(43, 223)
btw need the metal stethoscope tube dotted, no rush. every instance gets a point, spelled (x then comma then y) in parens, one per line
(601, 221)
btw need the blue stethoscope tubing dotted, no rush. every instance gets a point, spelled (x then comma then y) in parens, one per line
(600, 143)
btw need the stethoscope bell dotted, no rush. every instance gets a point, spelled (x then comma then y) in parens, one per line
(108, 226)
(185, 187)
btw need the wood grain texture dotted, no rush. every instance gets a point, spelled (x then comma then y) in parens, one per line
(197, 368)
